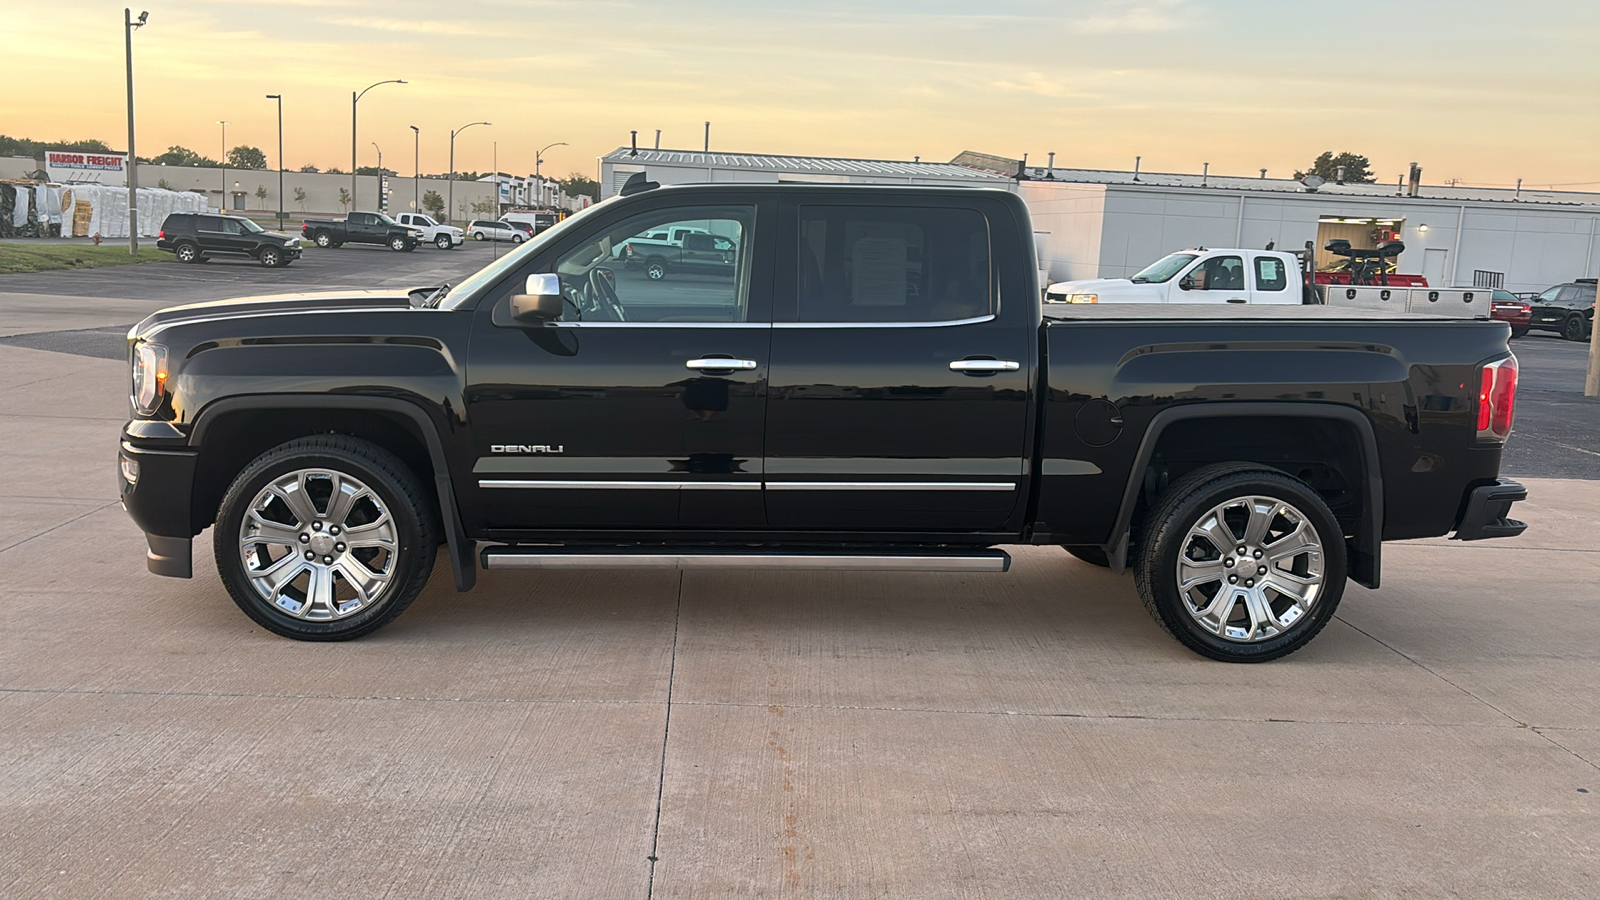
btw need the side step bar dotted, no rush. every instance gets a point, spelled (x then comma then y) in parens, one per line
(869, 561)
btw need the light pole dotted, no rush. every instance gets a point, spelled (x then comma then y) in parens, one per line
(224, 164)
(539, 158)
(450, 208)
(354, 97)
(416, 165)
(279, 98)
(128, 25)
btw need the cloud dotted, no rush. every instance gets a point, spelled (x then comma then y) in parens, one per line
(1136, 16)
(1040, 84)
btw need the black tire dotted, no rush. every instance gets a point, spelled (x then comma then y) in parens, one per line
(1574, 328)
(655, 268)
(516, 239)
(443, 242)
(1166, 535)
(416, 531)
(397, 244)
(1519, 332)
(271, 257)
(325, 240)
(187, 252)
(1094, 556)
(477, 235)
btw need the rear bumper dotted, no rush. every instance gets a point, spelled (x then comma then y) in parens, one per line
(1485, 515)
(158, 501)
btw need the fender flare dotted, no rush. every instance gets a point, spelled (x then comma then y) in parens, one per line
(462, 558)
(1368, 543)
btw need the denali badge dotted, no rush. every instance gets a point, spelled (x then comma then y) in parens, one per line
(527, 448)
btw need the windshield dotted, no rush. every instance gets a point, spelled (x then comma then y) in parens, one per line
(251, 226)
(1163, 269)
(491, 273)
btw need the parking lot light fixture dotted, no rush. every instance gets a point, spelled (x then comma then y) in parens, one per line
(416, 168)
(128, 28)
(279, 98)
(450, 207)
(224, 164)
(539, 158)
(355, 97)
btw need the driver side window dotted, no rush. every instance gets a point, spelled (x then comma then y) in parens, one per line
(687, 264)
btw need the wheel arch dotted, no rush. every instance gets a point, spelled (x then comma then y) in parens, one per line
(1281, 427)
(235, 430)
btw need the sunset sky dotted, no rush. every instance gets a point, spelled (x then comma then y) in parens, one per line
(1484, 92)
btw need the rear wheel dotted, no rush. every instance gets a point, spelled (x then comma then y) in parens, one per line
(655, 269)
(325, 538)
(477, 235)
(186, 252)
(516, 239)
(1241, 564)
(324, 240)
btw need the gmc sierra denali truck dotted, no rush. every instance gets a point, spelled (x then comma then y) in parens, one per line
(877, 387)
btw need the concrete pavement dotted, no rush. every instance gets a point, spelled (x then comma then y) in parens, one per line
(784, 734)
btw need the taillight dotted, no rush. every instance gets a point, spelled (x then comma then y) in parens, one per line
(1497, 397)
(162, 235)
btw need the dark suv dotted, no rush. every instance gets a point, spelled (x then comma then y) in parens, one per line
(196, 237)
(1567, 308)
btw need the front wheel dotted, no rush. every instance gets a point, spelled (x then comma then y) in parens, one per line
(271, 257)
(1575, 328)
(325, 538)
(1241, 564)
(397, 244)
(442, 242)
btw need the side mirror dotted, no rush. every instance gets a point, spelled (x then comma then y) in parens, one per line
(1186, 283)
(541, 302)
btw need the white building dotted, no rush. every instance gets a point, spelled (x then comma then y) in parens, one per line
(1095, 223)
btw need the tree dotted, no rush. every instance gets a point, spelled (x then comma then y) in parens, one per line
(310, 169)
(10, 146)
(300, 198)
(261, 194)
(374, 170)
(344, 197)
(433, 203)
(163, 184)
(1357, 169)
(576, 185)
(333, 171)
(483, 207)
(246, 157)
(183, 156)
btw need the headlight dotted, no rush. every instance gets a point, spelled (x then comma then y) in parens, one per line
(1084, 298)
(291, 242)
(149, 377)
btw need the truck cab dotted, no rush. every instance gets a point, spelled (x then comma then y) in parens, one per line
(1197, 275)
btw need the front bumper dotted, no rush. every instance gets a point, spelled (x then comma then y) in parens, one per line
(158, 499)
(1485, 514)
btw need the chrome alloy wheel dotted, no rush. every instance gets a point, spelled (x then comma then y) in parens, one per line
(318, 545)
(1250, 568)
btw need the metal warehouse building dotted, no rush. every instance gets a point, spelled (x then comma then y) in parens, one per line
(1097, 223)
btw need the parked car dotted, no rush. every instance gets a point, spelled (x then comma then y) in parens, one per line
(361, 228)
(682, 250)
(1566, 308)
(197, 237)
(897, 399)
(526, 228)
(1505, 307)
(442, 236)
(491, 230)
(539, 220)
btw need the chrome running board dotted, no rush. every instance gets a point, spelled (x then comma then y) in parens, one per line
(916, 561)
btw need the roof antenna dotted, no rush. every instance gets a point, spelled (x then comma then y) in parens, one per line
(1136, 161)
(1051, 174)
(1205, 173)
(708, 137)
(658, 139)
(636, 184)
(634, 140)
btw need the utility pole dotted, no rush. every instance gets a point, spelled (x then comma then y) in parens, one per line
(416, 166)
(128, 25)
(279, 98)
(354, 98)
(224, 164)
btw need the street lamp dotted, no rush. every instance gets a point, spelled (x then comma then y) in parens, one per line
(537, 159)
(450, 209)
(128, 26)
(354, 97)
(416, 163)
(279, 98)
(224, 164)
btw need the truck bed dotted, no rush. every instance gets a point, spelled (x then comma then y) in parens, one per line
(1141, 312)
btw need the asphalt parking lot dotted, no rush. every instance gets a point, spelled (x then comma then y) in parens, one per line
(657, 734)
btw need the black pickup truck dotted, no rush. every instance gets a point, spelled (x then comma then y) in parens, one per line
(361, 228)
(877, 387)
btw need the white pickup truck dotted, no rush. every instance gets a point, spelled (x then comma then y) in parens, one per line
(1195, 276)
(442, 236)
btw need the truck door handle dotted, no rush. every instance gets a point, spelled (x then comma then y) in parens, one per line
(984, 365)
(720, 363)
(1236, 300)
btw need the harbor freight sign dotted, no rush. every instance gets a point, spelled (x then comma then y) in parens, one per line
(85, 166)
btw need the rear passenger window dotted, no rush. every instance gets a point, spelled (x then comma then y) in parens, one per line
(1270, 274)
(893, 264)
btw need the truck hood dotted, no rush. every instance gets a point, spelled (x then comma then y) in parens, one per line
(272, 304)
(1109, 290)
